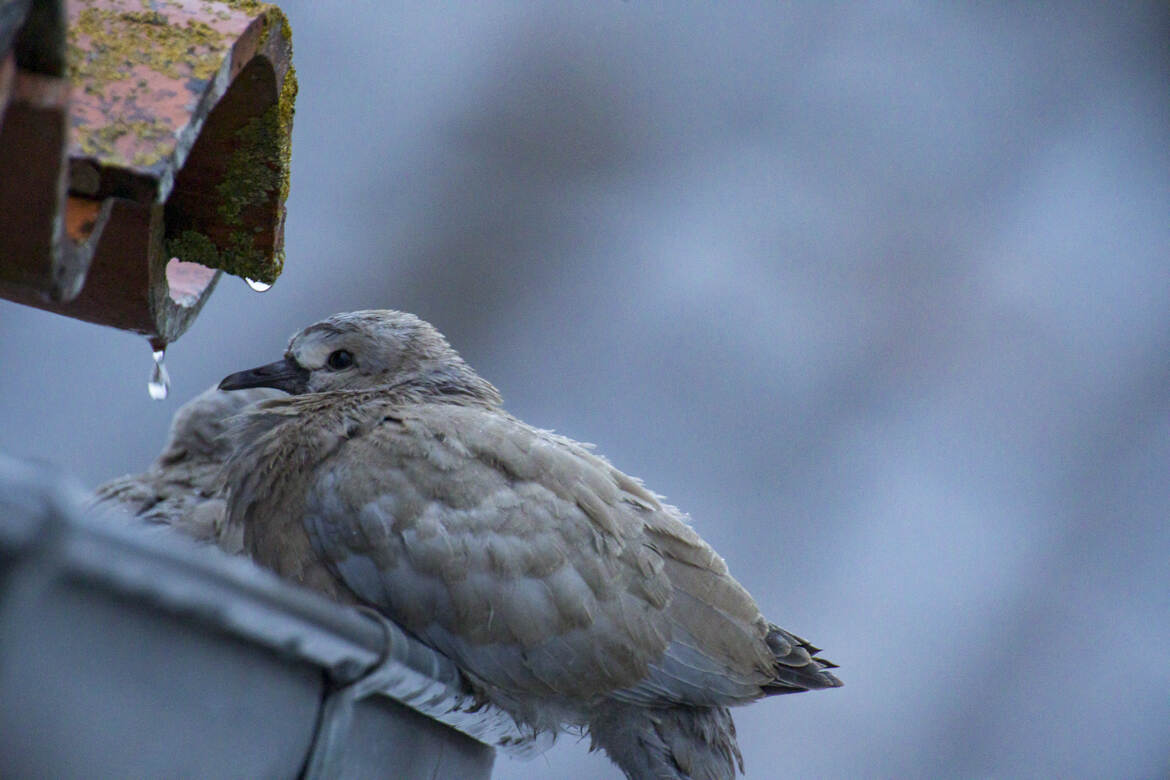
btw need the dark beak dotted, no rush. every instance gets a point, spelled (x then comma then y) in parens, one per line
(284, 375)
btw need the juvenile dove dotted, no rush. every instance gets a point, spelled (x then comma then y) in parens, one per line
(181, 489)
(568, 593)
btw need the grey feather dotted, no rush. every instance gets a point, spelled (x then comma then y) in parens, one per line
(569, 593)
(182, 489)
(669, 743)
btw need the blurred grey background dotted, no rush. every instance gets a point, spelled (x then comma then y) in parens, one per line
(880, 295)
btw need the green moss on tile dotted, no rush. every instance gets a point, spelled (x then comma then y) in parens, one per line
(253, 171)
(243, 259)
(286, 108)
(99, 142)
(193, 247)
(256, 173)
(250, 7)
(240, 257)
(120, 41)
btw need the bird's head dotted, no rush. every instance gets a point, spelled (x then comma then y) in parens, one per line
(365, 350)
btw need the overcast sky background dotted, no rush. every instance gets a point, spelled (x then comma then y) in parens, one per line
(880, 295)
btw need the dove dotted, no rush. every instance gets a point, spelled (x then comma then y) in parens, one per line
(180, 489)
(568, 593)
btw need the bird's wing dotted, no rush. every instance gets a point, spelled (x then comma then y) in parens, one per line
(175, 496)
(535, 564)
(718, 654)
(132, 493)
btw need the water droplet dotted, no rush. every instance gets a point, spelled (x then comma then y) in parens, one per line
(160, 380)
(258, 286)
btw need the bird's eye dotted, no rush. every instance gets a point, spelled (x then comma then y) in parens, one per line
(340, 359)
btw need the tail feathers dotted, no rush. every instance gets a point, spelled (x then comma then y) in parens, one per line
(797, 666)
(668, 743)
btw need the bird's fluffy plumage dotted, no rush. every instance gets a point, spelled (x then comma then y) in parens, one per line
(568, 592)
(182, 489)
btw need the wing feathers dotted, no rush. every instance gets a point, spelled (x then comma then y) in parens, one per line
(518, 551)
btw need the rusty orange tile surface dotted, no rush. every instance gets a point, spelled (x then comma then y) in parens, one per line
(141, 70)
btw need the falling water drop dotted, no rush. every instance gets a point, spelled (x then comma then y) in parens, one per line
(160, 380)
(258, 286)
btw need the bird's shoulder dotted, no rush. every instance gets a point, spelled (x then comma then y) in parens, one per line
(464, 454)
